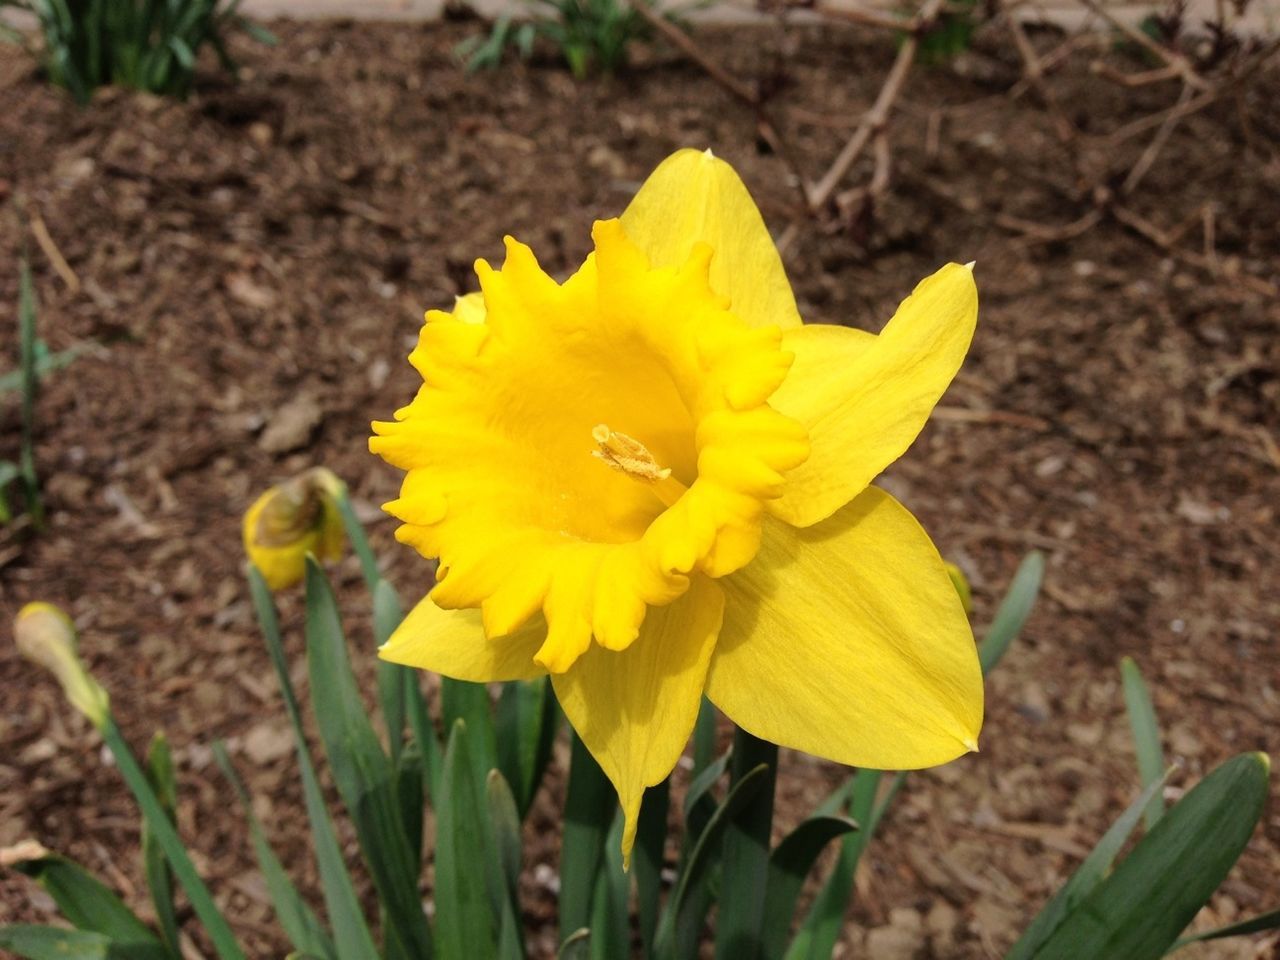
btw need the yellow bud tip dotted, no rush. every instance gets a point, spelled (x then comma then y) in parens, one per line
(708, 154)
(292, 519)
(970, 265)
(46, 636)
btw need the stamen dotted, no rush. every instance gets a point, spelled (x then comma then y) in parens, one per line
(628, 455)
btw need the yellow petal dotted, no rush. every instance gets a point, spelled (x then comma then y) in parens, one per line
(864, 399)
(693, 197)
(453, 643)
(634, 709)
(848, 641)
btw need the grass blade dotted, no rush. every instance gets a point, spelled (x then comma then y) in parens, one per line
(1146, 735)
(465, 923)
(1139, 910)
(350, 932)
(588, 813)
(33, 942)
(746, 853)
(789, 865)
(300, 924)
(361, 770)
(1014, 610)
(1266, 921)
(88, 904)
(1086, 877)
(651, 844)
(159, 874)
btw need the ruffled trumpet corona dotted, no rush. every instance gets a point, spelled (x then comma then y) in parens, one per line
(652, 481)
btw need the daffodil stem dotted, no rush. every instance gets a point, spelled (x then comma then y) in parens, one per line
(746, 853)
(359, 539)
(224, 942)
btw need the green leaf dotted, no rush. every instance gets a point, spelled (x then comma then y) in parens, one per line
(465, 921)
(789, 864)
(88, 904)
(58, 943)
(589, 808)
(45, 364)
(463, 700)
(214, 923)
(160, 775)
(350, 932)
(610, 926)
(1014, 611)
(746, 853)
(361, 770)
(1146, 735)
(300, 924)
(1138, 911)
(650, 849)
(1266, 921)
(525, 723)
(575, 945)
(27, 364)
(704, 737)
(818, 933)
(1086, 877)
(506, 831)
(685, 914)
(387, 615)
(700, 803)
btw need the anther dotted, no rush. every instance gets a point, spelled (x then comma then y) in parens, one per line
(628, 455)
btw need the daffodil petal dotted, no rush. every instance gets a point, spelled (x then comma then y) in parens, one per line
(848, 641)
(634, 709)
(694, 197)
(864, 399)
(453, 643)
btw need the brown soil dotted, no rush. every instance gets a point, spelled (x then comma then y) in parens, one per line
(264, 251)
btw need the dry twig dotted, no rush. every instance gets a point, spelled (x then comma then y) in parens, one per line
(41, 233)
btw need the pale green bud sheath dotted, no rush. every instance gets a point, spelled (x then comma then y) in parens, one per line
(46, 636)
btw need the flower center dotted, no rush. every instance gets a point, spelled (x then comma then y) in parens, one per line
(629, 456)
(493, 444)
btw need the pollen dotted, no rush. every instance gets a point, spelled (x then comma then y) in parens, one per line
(627, 455)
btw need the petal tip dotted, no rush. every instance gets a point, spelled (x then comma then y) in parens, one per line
(970, 265)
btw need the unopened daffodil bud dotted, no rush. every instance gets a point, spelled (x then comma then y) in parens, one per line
(290, 520)
(46, 636)
(961, 584)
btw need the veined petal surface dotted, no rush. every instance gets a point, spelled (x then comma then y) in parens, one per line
(453, 643)
(848, 641)
(635, 709)
(694, 197)
(863, 398)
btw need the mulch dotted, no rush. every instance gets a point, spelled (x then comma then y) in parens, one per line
(252, 267)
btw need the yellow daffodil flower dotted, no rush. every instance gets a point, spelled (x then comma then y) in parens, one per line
(651, 481)
(290, 520)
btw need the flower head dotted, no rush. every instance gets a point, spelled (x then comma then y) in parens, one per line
(290, 520)
(46, 636)
(651, 481)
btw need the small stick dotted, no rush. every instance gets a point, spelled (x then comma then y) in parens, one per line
(1063, 127)
(875, 119)
(864, 18)
(686, 45)
(1131, 80)
(1157, 144)
(41, 233)
(1170, 57)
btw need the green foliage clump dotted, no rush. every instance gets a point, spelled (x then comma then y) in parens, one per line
(590, 35)
(149, 45)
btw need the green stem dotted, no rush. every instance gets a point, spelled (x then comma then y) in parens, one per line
(746, 854)
(359, 540)
(224, 941)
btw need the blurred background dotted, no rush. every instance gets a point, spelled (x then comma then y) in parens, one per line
(231, 268)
